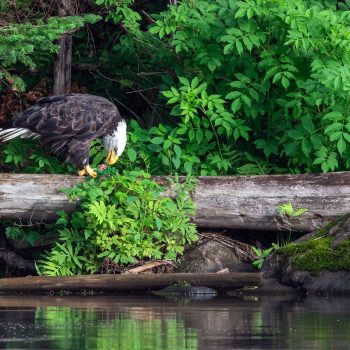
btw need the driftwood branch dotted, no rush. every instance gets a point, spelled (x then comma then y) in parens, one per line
(235, 202)
(147, 266)
(129, 282)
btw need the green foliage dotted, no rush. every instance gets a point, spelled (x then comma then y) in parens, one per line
(287, 209)
(120, 11)
(253, 86)
(30, 235)
(227, 87)
(123, 217)
(262, 254)
(26, 42)
(29, 156)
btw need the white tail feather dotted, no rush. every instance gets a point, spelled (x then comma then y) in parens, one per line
(8, 134)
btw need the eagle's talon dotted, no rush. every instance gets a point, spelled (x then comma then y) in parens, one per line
(88, 171)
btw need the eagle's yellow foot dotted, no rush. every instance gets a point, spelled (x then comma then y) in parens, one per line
(87, 171)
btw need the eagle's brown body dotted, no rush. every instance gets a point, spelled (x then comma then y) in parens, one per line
(67, 123)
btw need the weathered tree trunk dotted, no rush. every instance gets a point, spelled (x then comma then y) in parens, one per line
(63, 62)
(234, 202)
(122, 283)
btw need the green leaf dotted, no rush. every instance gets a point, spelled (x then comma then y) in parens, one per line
(250, 13)
(199, 135)
(188, 167)
(336, 136)
(233, 95)
(239, 47)
(246, 100)
(295, 134)
(247, 43)
(194, 83)
(241, 13)
(176, 162)
(184, 81)
(332, 163)
(341, 145)
(235, 106)
(306, 147)
(177, 150)
(335, 116)
(285, 82)
(132, 154)
(157, 140)
(308, 124)
(167, 144)
(346, 137)
(333, 127)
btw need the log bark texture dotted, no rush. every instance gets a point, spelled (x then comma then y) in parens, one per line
(34, 198)
(122, 283)
(235, 202)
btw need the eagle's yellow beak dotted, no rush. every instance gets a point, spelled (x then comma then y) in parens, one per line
(111, 158)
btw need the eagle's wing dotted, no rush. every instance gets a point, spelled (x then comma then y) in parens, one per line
(59, 119)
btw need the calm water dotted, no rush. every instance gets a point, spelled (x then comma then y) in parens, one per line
(135, 323)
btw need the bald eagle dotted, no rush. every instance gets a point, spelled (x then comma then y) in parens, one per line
(68, 123)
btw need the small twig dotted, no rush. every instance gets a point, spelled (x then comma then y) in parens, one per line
(151, 20)
(150, 73)
(138, 91)
(147, 266)
(103, 76)
(226, 270)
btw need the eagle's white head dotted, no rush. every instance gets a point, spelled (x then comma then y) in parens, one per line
(115, 143)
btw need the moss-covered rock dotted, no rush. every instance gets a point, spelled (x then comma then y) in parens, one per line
(316, 255)
(317, 262)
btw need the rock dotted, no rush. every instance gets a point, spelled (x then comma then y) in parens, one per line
(318, 263)
(213, 256)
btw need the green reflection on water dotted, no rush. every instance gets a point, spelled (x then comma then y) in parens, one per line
(69, 328)
(145, 323)
(320, 330)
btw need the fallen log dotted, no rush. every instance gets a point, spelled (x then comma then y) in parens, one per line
(233, 202)
(129, 282)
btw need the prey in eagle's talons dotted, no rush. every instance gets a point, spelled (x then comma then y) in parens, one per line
(87, 171)
(111, 158)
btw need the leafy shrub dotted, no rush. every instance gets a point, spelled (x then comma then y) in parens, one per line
(123, 217)
(255, 86)
(30, 235)
(29, 156)
(262, 254)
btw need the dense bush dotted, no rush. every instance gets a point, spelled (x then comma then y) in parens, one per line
(123, 217)
(255, 86)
